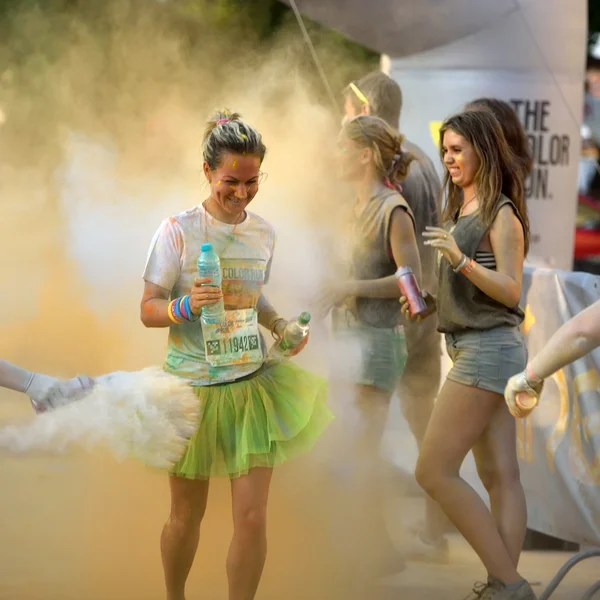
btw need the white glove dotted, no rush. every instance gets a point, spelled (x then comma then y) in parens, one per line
(518, 384)
(48, 392)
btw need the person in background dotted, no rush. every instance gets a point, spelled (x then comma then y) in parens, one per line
(588, 177)
(366, 311)
(591, 115)
(573, 340)
(482, 249)
(45, 392)
(513, 131)
(378, 95)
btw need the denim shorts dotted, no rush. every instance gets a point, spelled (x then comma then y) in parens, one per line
(383, 350)
(486, 359)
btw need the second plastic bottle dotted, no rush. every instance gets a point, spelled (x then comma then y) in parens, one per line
(292, 337)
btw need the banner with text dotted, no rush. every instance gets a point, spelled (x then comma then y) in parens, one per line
(559, 444)
(551, 189)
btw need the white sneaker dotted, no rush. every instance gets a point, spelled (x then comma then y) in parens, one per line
(426, 551)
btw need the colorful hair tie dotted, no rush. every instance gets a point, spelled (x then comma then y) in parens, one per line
(221, 121)
(388, 184)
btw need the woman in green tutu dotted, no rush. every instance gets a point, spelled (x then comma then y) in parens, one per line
(254, 415)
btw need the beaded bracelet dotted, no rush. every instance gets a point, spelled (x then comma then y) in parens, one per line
(180, 310)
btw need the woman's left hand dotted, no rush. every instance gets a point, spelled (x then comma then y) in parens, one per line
(278, 332)
(444, 241)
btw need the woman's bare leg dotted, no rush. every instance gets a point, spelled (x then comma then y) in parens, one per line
(368, 486)
(417, 390)
(460, 417)
(498, 468)
(248, 549)
(181, 533)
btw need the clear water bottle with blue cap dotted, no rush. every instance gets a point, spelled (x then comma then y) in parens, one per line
(209, 267)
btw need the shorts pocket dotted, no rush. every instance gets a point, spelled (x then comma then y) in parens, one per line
(489, 360)
(465, 368)
(513, 359)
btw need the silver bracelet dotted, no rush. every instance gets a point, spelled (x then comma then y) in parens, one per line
(461, 264)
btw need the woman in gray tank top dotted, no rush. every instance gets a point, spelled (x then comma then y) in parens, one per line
(367, 314)
(482, 249)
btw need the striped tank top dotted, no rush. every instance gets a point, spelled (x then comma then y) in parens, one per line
(486, 259)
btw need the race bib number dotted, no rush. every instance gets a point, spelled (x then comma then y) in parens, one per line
(236, 341)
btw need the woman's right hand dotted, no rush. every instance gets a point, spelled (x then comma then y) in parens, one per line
(429, 301)
(520, 384)
(47, 393)
(203, 295)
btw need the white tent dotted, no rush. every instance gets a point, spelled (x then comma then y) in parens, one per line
(405, 27)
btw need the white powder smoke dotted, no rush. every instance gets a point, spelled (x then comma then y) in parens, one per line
(148, 415)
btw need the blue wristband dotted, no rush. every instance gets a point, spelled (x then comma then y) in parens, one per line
(183, 309)
(188, 308)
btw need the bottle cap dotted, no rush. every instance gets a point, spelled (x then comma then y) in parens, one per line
(403, 271)
(304, 318)
(206, 247)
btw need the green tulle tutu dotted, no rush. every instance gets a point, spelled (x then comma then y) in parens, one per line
(262, 420)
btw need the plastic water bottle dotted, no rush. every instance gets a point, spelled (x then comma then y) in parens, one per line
(209, 267)
(293, 335)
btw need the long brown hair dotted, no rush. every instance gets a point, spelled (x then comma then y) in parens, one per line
(511, 127)
(500, 171)
(392, 162)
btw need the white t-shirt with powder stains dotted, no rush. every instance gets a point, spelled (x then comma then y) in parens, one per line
(245, 264)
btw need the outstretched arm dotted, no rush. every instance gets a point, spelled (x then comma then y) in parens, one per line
(576, 338)
(43, 391)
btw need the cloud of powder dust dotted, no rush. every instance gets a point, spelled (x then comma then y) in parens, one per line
(101, 142)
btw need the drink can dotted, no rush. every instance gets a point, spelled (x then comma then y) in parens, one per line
(407, 282)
